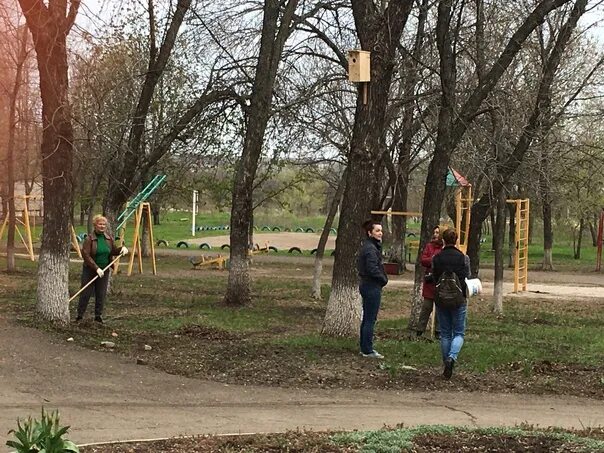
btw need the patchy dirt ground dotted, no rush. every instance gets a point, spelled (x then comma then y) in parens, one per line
(295, 441)
(282, 241)
(205, 353)
(254, 387)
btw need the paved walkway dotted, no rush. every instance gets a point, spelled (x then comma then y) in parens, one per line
(105, 397)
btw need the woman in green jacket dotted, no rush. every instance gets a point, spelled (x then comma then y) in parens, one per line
(97, 250)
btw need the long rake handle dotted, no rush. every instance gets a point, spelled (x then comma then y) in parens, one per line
(91, 281)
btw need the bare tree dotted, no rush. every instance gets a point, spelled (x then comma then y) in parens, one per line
(15, 46)
(49, 25)
(454, 119)
(536, 124)
(134, 161)
(276, 28)
(379, 30)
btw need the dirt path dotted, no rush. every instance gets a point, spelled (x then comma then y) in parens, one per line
(105, 397)
(283, 241)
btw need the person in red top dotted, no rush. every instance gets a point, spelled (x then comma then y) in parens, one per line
(429, 286)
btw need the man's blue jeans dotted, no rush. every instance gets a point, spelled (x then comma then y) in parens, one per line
(452, 329)
(372, 296)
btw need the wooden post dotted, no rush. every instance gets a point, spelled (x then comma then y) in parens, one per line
(151, 239)
(3, 226)
(74, 242)
(122, 235)
(142, 215)
(27, 239)
(135, 242)
(29, 246)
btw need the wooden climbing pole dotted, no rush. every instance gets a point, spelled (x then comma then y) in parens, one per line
(463, 210)
(521, 236)
(141, 215)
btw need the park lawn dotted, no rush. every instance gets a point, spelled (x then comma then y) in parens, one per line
(444, 439)
(175, 226)
(539, 346)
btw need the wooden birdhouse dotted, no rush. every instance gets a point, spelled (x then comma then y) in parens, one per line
(359, 65)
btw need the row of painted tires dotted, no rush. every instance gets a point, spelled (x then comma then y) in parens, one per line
(212, 228)
(267, 228)
(297, 230)
(206, 246)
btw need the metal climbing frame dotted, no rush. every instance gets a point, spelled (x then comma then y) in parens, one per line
(138, 199)
(142, 214)
(521, 238)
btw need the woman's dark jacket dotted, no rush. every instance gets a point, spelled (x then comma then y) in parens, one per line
(89, 247)
(370, 267)
(452, 259)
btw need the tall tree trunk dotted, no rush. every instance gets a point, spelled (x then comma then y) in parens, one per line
(380, 33)
(21, 55)
(437, 170)
(156, 211)
(401, 189)
(272, 41)
(499, 242)
(579, 239)
(480, 211)
(49, 27)
(399, 223)
(593, 230)
(546, 203)
(493, 220)
(331, 214)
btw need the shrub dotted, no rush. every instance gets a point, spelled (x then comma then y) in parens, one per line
(44, 435)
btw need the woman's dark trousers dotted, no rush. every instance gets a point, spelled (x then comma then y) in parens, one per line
(372, 296)
(99, 287)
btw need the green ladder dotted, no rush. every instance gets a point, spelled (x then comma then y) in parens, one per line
(136, 201)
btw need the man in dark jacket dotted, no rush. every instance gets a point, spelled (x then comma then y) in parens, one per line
(372, 278)
(452, 320)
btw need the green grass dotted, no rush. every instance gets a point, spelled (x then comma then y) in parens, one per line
(402, 439)
(565, 332)
(562, 255)
(529, 332)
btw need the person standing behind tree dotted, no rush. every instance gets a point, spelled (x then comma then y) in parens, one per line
(372, 279)
(97, 250)
(452, 318)
(432, 248)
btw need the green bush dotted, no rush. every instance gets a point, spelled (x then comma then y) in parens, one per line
(41, 436)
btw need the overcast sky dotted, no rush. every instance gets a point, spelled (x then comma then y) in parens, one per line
(94, 13)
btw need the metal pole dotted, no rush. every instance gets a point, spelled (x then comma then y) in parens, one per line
(194, 213)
